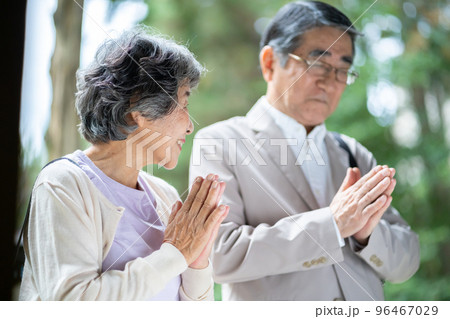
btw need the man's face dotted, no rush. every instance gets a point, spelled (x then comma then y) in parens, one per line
(310, 99)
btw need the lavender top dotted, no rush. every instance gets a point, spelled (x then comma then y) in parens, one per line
(139, 232)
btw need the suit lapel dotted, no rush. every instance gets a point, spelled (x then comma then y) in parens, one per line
(265, 128)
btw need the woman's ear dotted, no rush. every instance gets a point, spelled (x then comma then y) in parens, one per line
(136, 118)
(266, 61)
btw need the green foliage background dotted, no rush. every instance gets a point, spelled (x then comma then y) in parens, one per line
(223, 35)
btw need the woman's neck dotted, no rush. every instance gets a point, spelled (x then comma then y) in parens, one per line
(110, 158)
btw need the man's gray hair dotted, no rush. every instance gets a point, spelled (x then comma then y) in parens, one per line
(284, 32)
(135, 72)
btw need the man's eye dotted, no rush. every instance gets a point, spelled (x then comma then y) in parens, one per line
(320, 65)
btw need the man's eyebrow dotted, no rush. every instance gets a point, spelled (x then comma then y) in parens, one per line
(318, 52)
(347, 59)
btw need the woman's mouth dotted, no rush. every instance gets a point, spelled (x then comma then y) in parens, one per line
(180, 143)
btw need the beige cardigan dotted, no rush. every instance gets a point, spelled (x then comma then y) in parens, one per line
(70, 231)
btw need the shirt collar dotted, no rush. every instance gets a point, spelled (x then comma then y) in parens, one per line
(292, 129)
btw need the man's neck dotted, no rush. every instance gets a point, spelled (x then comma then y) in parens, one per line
(278, 106)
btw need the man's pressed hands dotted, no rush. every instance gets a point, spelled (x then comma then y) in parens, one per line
(361, 201)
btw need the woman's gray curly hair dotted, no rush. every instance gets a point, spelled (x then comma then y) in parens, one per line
(138, 67)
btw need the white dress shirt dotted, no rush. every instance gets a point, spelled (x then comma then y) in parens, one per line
(311, 154)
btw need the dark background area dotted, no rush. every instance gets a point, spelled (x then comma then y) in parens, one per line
(13, 26)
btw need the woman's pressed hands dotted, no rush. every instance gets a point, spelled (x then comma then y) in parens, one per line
(193, 226)
(360, 202)
(202, 261)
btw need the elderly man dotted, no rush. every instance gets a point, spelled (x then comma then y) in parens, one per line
(302, 224)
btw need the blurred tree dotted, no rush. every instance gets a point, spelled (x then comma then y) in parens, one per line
(62, 137)
(399, 108)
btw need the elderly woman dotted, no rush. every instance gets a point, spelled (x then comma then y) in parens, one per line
(99, 227)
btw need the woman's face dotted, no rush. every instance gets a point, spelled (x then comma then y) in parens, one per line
(160, 141)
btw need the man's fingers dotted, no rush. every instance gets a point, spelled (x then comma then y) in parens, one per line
(392, 170)
(357, 173)
(375, 218)
(368, 176)
(372, 182)
(386, 205)
(391, 187)
(375, 206)
(345, 182)
(375, 192)
(349, 180)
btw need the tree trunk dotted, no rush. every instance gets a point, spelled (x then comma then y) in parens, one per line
(62, 136)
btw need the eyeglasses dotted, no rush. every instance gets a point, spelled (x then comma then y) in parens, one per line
(320, 68)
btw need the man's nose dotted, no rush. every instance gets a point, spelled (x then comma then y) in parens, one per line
(328, 79)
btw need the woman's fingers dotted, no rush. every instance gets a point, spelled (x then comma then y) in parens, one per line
(202, 260)
(222, 189)
(201, 196)
(210, 202)
(198, 182)
(192, 225)
(216, 217)
(216, 226)
(175, 209)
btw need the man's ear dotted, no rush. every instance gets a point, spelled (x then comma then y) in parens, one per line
(266, 61)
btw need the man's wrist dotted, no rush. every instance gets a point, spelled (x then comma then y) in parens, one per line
(360, 244)
(338, 234)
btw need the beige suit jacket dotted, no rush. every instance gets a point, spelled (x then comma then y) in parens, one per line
(277, 243)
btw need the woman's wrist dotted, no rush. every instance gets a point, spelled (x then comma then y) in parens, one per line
(199, 264)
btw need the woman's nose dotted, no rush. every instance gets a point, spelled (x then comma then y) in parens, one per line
(190, 128)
